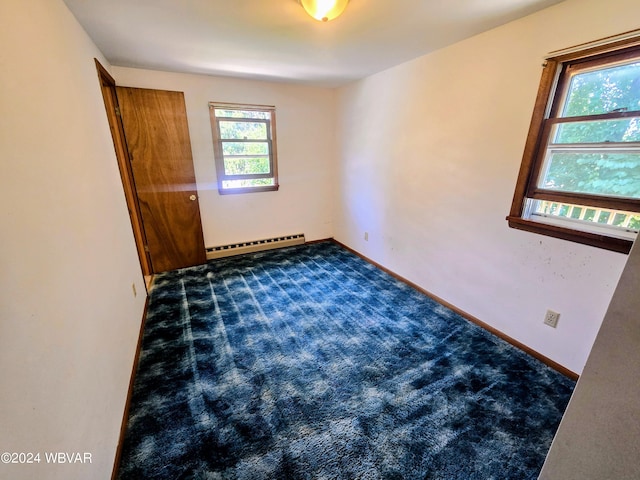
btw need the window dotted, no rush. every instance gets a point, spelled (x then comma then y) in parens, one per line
(244, 147)
(580, 174)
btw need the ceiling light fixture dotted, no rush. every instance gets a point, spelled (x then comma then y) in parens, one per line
(324, 10)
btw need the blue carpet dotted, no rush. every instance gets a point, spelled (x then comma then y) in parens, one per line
(310, 363)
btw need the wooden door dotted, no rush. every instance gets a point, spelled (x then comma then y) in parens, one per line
(157, 136)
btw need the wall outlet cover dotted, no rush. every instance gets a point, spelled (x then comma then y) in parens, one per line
(551, 318)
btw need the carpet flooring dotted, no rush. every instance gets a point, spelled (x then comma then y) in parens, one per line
(310, 363)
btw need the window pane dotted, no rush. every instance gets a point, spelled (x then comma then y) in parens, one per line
(610, 174)
(257, 182)
(600, 131)
(245, 148)
(604, 91)
(246, 166)
(600, 216)
(243, 130)
(242, 113)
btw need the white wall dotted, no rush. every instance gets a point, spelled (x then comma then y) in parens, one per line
(306, 149)
(68, 318)
(429, 152)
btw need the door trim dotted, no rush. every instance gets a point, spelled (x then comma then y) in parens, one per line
(108, 89)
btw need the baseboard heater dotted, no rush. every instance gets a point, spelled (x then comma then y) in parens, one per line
(254, 246)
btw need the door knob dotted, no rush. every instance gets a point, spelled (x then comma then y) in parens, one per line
(193, 198)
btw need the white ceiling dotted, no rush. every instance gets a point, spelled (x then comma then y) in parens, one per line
(276, 40)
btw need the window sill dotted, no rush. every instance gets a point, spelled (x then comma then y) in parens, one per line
(232, 191)
(595, 240)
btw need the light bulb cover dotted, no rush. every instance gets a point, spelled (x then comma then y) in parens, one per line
(324, 10)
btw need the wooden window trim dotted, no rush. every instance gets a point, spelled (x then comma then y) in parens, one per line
(541, 120)
(585, 238)
(219, 157)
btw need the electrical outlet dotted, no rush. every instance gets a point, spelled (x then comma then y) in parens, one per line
(551, 318)
(133, 287)
(366, 236)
